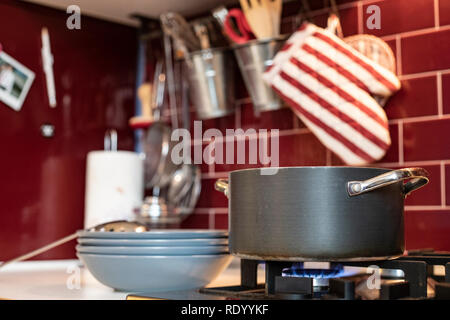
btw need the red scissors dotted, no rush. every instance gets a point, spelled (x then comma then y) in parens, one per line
(244, 33)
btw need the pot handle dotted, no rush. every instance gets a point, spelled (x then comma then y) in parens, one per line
(222, 186)
(418, 176)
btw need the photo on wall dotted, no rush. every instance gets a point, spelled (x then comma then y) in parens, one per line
(15, 81)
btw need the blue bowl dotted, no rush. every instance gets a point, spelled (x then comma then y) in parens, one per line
(154, 273)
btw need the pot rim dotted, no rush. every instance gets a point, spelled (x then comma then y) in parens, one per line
(311, 167)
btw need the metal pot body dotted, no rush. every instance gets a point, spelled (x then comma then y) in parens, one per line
(317, 213)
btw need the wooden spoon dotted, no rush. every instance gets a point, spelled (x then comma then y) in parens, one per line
(258, 17)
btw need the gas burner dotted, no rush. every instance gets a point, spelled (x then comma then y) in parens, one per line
(320, 276)
(285, 280)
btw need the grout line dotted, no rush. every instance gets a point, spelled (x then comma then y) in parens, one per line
(211, 219)
(211, 167)
(415, 33)
(436, 14)
(398, 49)
(214, 175)
(420, 119)
(215, 210)
(400, 143)
(426, 208)
(413, 163)
(360, 17)
(439, 94)
(241, 101)
(423, 74)
(443, 199)
(328, 157)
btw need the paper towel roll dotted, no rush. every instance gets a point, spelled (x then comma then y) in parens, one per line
(114, 186)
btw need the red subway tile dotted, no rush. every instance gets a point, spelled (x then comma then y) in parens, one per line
(281, 119)
(447, 184)
(446, 93)
(427, 229)
(291, 8)
(221, 221)
(393, 45)
(426, 52)
(400, 16)
(210, 197)
(221, 123)
(430, 194)
(250, 161)
(287, 26)
(417, 97)
(196, 221)
(444, 12)
(392, 153)
(348, 18)
(302, 149)
(427, 140)
(199, 147)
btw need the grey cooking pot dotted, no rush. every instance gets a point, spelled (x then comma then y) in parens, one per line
(318, 213)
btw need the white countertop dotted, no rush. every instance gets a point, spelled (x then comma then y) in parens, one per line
(53, 280)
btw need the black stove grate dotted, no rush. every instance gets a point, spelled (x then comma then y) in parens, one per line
(416, 268)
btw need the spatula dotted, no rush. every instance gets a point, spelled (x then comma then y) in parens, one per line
(274, 7)
(258, 17)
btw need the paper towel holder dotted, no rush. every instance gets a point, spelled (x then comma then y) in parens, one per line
(110, 140)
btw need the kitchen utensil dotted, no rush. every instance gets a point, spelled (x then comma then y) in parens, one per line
(202, 33)
(245, 32)
(329, 86)
(47, 63)
(220, 14)
(211, 80)
(153, 251)
(318, 213)
(191, 199)
(109, 227)
(145, 96)
(157, 144)
(114, 183)
(376, 50)
(274, 7)
(176, 26)
(171, 81)
(259, 17)
(206, 242)
(372, 47)
(155, 273)
(157, 234)
(181, 183)
(156, 211)
(254, 57)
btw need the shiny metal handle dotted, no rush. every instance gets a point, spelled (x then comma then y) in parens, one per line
(418, 176)
(222, 186)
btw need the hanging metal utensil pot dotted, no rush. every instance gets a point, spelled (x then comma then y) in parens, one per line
(318, 213)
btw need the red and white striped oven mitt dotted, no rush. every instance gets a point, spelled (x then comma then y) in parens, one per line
(328, 84)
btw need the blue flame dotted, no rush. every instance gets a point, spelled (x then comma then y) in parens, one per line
(297, 270)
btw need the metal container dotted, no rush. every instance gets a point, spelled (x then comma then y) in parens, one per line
(211, 80)
(253, 58)
(318, 213)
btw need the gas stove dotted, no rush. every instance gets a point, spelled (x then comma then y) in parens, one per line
(422, 274)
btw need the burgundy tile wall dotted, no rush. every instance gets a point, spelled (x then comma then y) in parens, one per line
(419, 35)
(42, 180)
